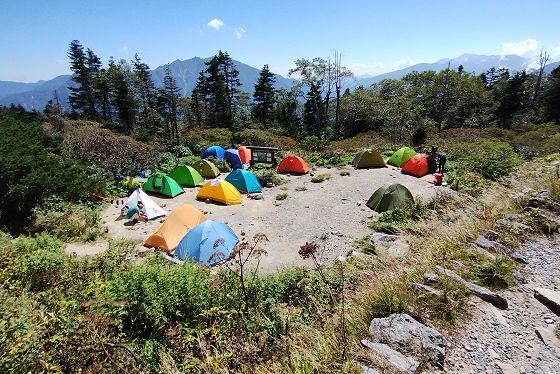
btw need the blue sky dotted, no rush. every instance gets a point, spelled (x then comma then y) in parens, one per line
(373, 36)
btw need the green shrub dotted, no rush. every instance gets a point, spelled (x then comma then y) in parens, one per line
(313, 144)
(281, 196)
(301, 188)
(494, 274)
(344, 173)
(205, 137)
(188, 160)
(320, 178)
(467, 182)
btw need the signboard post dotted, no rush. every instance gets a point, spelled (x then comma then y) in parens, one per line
(264, 155)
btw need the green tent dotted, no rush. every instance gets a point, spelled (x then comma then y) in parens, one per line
(390, 197)
(206, 169)
(368, 159)
(186, 176)
(400, 157)
(163, 184)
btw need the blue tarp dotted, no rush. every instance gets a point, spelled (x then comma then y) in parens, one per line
(244, 181)
(209, 242)
(233, 159)
(216, 151)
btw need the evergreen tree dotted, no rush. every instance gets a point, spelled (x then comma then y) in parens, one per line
(199, 101)
(220, 112)
(512, 97)
(123, 96)
(146, 94)
(103, 94)
(84, 66)
(264, 98)
(551, 96)
(286, 112)
(169, 98)
(313, 111)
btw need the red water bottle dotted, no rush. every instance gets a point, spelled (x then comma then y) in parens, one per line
(438, 178)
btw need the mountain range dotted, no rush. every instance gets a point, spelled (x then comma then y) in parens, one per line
(36, 95)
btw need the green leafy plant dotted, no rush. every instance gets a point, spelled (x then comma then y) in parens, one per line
(282, 196)
(320, 178)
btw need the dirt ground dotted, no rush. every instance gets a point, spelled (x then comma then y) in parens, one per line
(333, 213)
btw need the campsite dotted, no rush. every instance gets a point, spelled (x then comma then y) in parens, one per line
(275, 188)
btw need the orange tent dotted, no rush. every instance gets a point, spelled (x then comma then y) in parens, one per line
(417, 166)
(293, 164)
(244, 154)
(172, 230)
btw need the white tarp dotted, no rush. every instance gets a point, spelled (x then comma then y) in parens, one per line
(151, 208)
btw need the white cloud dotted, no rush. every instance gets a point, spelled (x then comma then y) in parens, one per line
(239, 31)
(376, 67)
(216, 24)
(527, 48)
(405, 62)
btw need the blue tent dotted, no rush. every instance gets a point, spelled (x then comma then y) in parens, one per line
(233, 159)
(244, 181)
(216, 151)
(208, 242)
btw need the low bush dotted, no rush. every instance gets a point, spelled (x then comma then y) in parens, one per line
(344, 173)
(320, 178)
(282, 196)
(200, 138)
(494, 274)
(301, 188)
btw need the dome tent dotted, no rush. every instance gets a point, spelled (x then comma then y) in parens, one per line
(220, 191)
(186, 176)
(244, 154)
(293, 164)
(389, 197)
(151, 209)
(232, 158)
(368, 158)
(215, 151)
(162, 184)
(244, 181)
(401, 156)
(209, 242)
(174, 228)
(416, 166)
(206, 168)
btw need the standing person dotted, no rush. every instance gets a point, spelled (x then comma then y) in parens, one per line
(431, 158)
(441, 161)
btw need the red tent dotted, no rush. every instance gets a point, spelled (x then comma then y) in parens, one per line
(244, 154)
(293, 164)
(417, 166)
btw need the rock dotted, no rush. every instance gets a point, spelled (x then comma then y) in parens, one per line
(519, 277)
(518, 258)
(492, 235)
(482, 251)
(383, 238)
(548, 337)
(539, 202)
(549, 321)
(395, 358)
(457, 264)
(507, 368)
(549, 298)
(358, 203)
(428, 289)
(368, 370)
(405, 334)
(430, 278)
(468, 348)
(242, 233)
(482, 292)
(369, 216)
(256, 196)
(482, 242)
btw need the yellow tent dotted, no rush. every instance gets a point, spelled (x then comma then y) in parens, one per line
(172, 230)
(221, 191)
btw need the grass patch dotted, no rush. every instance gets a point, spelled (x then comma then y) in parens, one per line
(344, 173)
(284, 188)
(320, 178)
(366, 245)
(281, 196)
(301, 188)
(494, 274)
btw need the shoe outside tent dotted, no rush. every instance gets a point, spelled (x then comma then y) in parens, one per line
(389, 197)
(151, 209)
(215, 151)
(174, 228)
(244, 181)
(244, 154)
(206, 168)
(232, 158)
(416, 166)
(162, 184)
(400, 157)
(368, 158)
(186, 176)
(293, 164)
(209, 243)
(220, 191)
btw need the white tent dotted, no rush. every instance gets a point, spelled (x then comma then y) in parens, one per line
(152, 209)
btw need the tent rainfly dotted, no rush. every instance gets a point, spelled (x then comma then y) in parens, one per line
(151, 208)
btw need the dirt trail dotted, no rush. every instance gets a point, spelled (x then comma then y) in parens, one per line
(496, 341)
(334, 210)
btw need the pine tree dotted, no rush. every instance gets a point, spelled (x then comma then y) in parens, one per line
(146, 95)
(551, 96)
(169, 96)
(264, 98)
(286, 112)
(84, 66)
(219, 105)
(123, 99)
(313, 111)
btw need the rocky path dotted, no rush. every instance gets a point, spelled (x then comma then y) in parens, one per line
(520, 339)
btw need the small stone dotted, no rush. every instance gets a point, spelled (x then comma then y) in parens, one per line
(524, 323)
(242, 233)
(358, 203)
(549, 321)
(519, 277)
(369, 216)
(430, 278)
(468, 348)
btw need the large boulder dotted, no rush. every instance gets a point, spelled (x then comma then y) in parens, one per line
(406, 335)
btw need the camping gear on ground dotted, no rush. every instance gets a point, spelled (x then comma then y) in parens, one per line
(244, 154)
(368, 158)
(163, 184)
(206, 168)
(174, 228)
(215, 151)
(438, 179)
(232, 158)
(209, 242)
(400, 157)
(389, 197)
(220, 191)
(293, 164)
(416, 166)
(186, 176)
(244, 181)
(151, 209)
